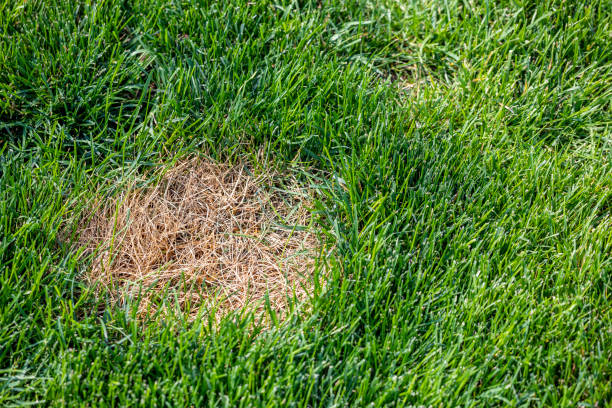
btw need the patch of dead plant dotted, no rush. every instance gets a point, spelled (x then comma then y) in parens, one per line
(209, 234)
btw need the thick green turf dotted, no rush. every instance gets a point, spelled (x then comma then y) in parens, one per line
(462, 151)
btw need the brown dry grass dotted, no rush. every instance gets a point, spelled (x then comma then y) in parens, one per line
(210, 234)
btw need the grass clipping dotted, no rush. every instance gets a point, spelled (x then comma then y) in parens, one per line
(206, 235)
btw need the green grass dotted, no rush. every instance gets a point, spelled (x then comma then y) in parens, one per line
(462, 154)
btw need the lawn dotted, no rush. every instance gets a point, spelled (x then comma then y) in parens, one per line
(459, 159)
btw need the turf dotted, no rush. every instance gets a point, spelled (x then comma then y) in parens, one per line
(461, 151)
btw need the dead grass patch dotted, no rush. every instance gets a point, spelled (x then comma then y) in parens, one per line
(209, 234)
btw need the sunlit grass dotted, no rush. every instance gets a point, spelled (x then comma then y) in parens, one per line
(461, 152)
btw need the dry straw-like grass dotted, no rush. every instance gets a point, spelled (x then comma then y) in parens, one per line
(208, 234)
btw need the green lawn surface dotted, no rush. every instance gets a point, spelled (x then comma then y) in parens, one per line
(461, 153)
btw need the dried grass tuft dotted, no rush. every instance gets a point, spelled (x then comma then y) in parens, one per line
(209, 233)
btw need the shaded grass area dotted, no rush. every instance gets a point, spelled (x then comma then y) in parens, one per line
(464, 149)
